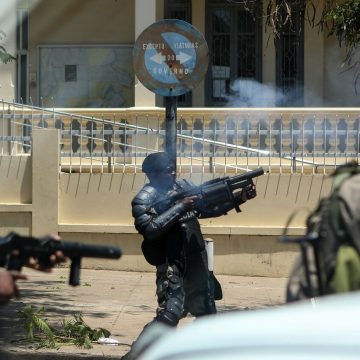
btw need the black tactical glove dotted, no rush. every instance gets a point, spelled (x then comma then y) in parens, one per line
(249, 192)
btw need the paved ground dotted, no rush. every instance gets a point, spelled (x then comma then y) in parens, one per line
(122, 302)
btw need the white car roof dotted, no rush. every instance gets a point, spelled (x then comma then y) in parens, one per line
(323, 328)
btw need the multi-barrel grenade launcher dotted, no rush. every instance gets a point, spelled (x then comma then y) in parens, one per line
(15, 251)
(216, 191)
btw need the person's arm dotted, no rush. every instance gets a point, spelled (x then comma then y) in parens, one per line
(56, 258)
(8, 288)
(152, 225)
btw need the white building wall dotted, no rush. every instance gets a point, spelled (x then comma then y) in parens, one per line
(108, 22)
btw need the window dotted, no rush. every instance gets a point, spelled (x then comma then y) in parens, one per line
(70, 73)
(234, 36)
(22, 42)
(69, 76)
(290, 61)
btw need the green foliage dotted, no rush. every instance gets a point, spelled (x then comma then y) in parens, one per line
(338, 18)
(343, 21)
(279, 14)
(5, 57)
(35, 325)
(82, 333)
(70, 332)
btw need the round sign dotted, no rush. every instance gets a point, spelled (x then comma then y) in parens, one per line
(170, 57)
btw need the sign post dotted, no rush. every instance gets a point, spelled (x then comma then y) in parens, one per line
(170, 127)
(170, 58)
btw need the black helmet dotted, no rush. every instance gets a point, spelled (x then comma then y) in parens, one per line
(157, 163)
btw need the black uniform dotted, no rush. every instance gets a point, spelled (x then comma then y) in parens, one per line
(173, 242)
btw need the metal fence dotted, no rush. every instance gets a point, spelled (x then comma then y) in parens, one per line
(208, 140)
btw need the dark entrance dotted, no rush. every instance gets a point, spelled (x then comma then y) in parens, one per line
(290, 59)
(234, 37)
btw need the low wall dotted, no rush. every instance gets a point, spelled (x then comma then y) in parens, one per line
(247, 255)
(95, 208)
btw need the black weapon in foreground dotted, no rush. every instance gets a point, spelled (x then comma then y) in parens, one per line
(15, 251)
(216, 191)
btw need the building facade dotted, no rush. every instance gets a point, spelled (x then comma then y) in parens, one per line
(79, 54)
(90, 123)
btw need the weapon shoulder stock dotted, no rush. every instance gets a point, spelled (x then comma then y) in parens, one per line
(14, 241)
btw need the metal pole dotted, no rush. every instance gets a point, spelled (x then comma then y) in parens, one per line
(170, 127)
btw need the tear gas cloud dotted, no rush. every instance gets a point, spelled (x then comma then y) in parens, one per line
(251, 93)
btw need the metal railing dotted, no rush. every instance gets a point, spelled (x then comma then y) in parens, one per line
(208, 140)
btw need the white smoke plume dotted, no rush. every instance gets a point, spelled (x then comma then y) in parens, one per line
(250, 93)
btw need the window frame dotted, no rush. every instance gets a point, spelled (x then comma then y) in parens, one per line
(234, 33)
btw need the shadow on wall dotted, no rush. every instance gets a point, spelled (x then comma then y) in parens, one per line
(15, 180)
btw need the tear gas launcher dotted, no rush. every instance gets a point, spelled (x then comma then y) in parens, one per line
(16, 250)
(216, 191)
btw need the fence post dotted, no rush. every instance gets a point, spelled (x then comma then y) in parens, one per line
(45, 181)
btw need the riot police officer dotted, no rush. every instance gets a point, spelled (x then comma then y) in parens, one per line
(173, 241)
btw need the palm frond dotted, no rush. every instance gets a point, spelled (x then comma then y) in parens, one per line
(71, 331)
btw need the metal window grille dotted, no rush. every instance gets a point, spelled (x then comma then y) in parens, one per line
(290, 60)
(234, 36)
(22, 43)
